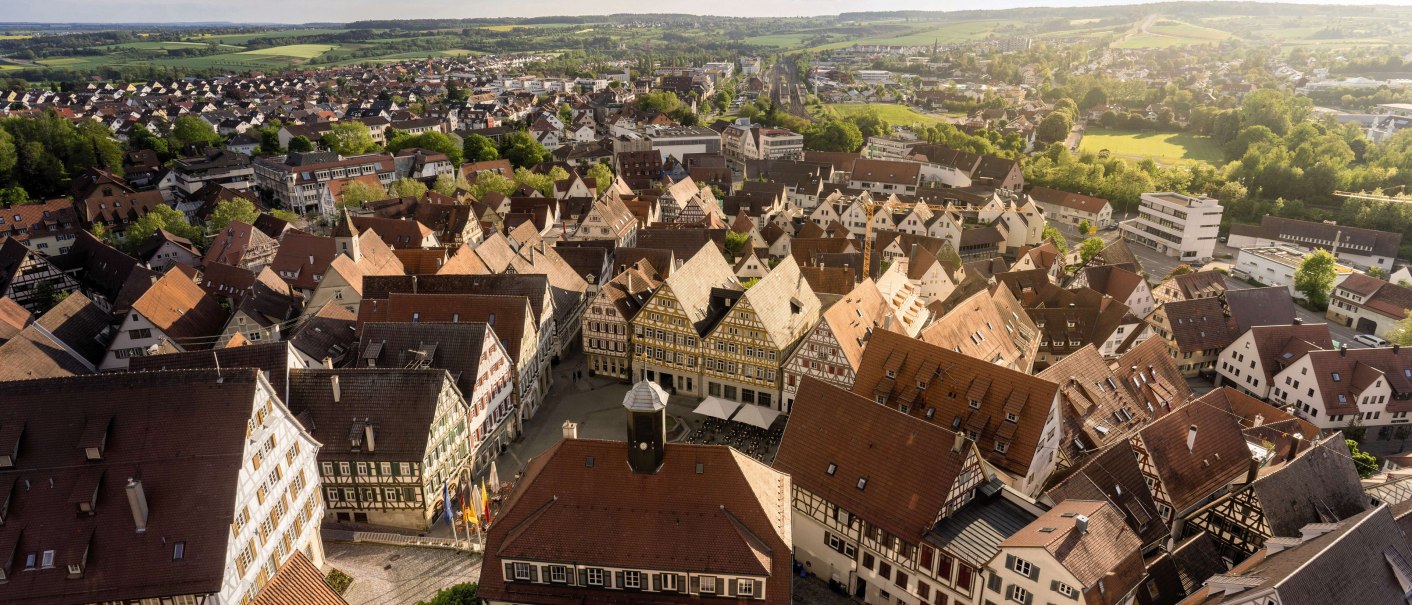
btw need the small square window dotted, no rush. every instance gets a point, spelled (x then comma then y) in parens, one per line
(179, 551)
(862, 482)
(831, 469)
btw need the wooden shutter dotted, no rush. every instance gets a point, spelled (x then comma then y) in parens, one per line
(731, 587)
(681, 582)
(1009, 561)
(534, 573)
(1054, 586)
(1034, 572)
(1029, 598)
(617, 579)
(509, 572)
(657, 582)
(695, 584)
(993, 582)
(583, 577)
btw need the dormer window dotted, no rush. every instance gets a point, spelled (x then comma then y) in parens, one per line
(1336, 377)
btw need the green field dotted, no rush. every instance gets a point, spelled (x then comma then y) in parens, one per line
(284, 33)
(1161, 147)
(1166, 33)
(921, 36)
(297, 51)
(898, 115)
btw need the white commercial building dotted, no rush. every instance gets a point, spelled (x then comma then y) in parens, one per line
(1176, 225)
(1276, 265)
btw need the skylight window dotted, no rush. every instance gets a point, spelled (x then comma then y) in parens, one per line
(833, 468)
(862, 483)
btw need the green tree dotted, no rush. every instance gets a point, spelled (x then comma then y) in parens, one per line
(523, 151)
(349, 138)
(15, 195)
(142, 138)
(664, 101)
(487, 182)
(1366, 463)
(478, 148)
(460, 594)
(736, 244)
(1181, 269)
(602, 177)
(285, 215)
(187, 130)
(407, 188)
(159, 217)
(1054, 127)
(431, 141)
(1315, 278)
(1378, 273)
(300, 144)
(1085, 227)
(1052, 234)
(1090, 248)
(543, 183)
(357, 193)
(238, 209)
(833, 135)
(8, 154)
(447, 184)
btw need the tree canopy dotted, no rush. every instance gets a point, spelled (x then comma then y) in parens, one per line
(478, 148)
(349, 138)
(431, 141)
(238, 209)
(1315, 277)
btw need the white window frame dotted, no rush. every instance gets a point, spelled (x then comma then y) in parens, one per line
(745, 587)
(669, 582)
(522, 571)
(1022, 567)
(1066, 590)
(1017, 594)
(632, 579)
(708, 584)
(557, 573)
(595, 576)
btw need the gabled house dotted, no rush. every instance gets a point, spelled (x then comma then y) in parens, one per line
(30, 278)
(1252, 360)
(1335, 389)
(607, 341)
(1079, 550)
(869, 483)
(380, 467)
(173, 312)
(540, 550)
(1012, 417)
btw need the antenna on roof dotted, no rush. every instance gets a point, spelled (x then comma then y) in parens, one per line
(219, 379)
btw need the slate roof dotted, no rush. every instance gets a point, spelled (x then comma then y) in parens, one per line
(975, 532)
(401, 434)
(329, 333)
(1353, 563)
(272, 358)
(732, 516)
(455, 347)
(189, 483)
(102, 268)
(1199, 324)
(1251, 307)
(1113, 474)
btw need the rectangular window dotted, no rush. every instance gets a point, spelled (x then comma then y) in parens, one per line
(1022, 567)
(669, 581)
(708, 584)
(556, 574)
(1019, 595)
(746, 588)
(632, 579)
(595, 576)
(1066, 590)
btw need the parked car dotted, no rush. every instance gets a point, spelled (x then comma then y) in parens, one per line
(1370, 340)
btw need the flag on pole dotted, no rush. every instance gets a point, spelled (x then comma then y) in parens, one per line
(485, 500)
(468, 513)
(446, 497)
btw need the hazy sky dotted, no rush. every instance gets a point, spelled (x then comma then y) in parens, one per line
(304, 11)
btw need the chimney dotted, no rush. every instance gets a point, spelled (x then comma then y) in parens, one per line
(328, 363)
(959, 442)
(138, 501)
(1254, 470)
(571, 430)
(337, 392)
(1259, 420)
(1191, 438)
(1343, 350)
(1298, 322)
(1081, 524)
(1294, 446)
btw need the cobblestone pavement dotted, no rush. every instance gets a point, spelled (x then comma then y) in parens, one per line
(814, 591)
(398, 574)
